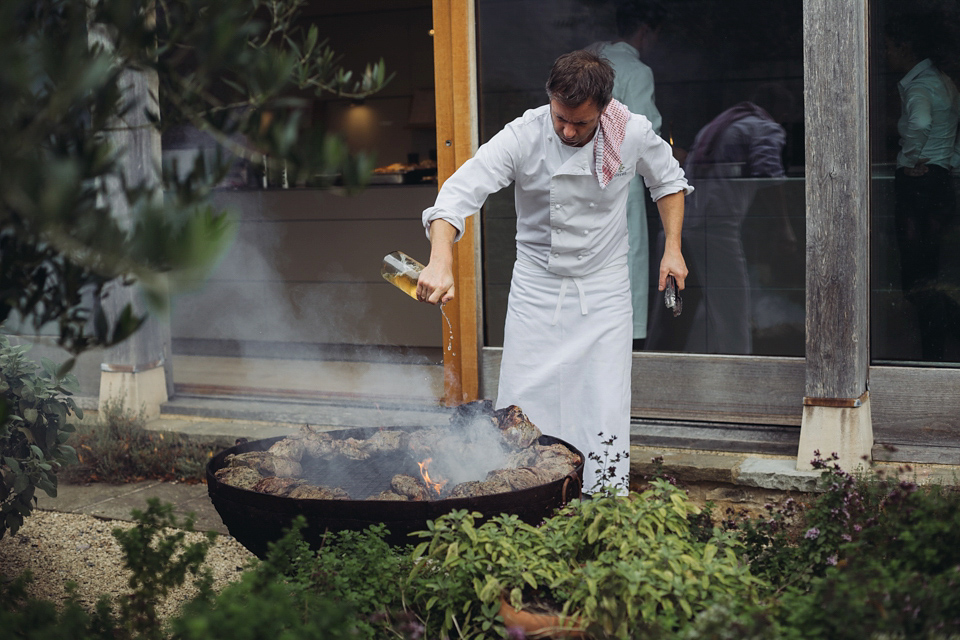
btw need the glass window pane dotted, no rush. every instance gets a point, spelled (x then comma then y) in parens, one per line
(723, 81)
(914, 113)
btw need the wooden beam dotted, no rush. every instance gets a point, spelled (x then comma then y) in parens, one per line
(837, 194)
(836, 408)
(454, 54)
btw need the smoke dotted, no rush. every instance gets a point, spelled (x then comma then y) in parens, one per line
(474, 449)
(462, 452)
(265, 302)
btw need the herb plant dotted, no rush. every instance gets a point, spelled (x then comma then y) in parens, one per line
(625, 566)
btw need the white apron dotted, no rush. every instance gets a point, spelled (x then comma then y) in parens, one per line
(566, 359)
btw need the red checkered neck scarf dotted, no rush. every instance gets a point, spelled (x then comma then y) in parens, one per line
(610, 135)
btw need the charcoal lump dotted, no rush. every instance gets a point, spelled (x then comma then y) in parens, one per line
(241, 477)
(290, 448)
(276, 486)
(266, 463)
(389, 495)
(409, 486)
(312, 492)
(515, 427)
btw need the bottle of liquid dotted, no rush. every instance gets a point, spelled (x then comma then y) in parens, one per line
(401, 271)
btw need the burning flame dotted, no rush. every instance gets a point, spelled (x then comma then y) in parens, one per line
(436, 486)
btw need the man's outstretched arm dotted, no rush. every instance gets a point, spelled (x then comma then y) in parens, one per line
(436, 283)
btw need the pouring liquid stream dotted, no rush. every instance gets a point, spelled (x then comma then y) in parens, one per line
(402, 271)
(450, 329)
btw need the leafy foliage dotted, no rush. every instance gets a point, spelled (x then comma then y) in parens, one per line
(635, 555)
(627, 566)
(117, 448)
(350, 587)
(892, 564)
(155, 553)
(73, 217)
(253, 608)
(34, 431)
(34, 619)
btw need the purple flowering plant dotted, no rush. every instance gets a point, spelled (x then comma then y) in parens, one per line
(872, 554)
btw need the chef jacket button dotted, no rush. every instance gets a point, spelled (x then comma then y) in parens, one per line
(593, 204)
(556, 255)
(580, 257)
(586, 232)
(556, 230)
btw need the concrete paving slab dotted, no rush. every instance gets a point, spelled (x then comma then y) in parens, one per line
(121, 506)
(206, 516)
(230, 429)
(782, 475)
(117, 502)
(79, 498)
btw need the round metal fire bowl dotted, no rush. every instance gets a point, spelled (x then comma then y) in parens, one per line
(256, 519)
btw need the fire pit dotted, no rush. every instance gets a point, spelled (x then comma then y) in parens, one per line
(255, 518)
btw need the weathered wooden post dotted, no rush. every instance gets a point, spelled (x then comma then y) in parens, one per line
(138, 371)
(836, 411)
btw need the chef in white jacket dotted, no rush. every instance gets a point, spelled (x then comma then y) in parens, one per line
(567, 338)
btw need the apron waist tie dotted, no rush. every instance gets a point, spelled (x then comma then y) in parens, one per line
(563, 292)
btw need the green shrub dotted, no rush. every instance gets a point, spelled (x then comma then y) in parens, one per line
(872, 556)
(118, 448)
(253, 609)
(28, 618)
(267, 602)
(628, 566)
(158, 560)
(34, 407)
(892, 552)
(734, 619)
(360, 570)
(349, 588)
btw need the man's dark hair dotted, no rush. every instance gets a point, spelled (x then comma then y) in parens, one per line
(633, 14)
(581, 76)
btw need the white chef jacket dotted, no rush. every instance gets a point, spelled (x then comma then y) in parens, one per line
(565, 222)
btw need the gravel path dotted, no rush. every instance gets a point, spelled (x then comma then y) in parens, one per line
(61, 547)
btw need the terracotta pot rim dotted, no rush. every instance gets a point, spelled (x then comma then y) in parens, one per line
(542, 625)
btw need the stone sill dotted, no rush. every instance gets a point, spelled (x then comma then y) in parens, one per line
(778, 473)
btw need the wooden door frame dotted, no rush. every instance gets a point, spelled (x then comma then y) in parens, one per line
(455, 79)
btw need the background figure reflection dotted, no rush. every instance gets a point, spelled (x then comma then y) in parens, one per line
(638, 23)
(732, 157)
(925, 213)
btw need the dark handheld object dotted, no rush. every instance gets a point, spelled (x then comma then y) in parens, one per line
(671, 297)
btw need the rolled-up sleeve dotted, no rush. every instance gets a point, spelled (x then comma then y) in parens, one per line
(492, 168)
(660, 170)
